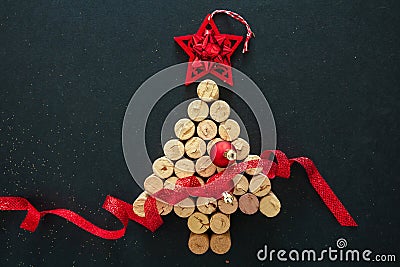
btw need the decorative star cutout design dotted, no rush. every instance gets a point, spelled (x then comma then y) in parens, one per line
(209, 52)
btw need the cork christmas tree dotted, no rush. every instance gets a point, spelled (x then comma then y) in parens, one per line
(207, 142)
(207, 171)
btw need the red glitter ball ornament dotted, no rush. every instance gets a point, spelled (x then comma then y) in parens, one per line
(222, 154)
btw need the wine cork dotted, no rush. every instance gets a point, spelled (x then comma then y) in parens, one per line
(229, 130)
(204, 166)
(184, 168)
(201, 181)
(270, 205)
(198, 223)
(163, 167)
(248, 203)
(153, 184)
(220, 223)
(242, 148)
(211, 143)
(208, 91)
(174, 149)
(198, 110)
(206, 205)
(220, 169)
(207, 130)
(220, 111)
(220, 244)
(184, 129)
(260, 185)
(241, 184)
(253, 171)
(163, 208)
(185, 208)
(198, 243)
(138, 204)
(228, 208)
(195, 147)
(170, 183)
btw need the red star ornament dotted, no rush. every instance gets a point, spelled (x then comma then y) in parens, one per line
(209, 52)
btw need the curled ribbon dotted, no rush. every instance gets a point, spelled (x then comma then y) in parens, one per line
(188, 186)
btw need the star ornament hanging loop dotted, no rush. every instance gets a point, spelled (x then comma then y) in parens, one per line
(210, 51)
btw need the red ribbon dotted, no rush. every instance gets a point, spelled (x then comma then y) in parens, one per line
(189, 186)
(120, 209)
(282, 169)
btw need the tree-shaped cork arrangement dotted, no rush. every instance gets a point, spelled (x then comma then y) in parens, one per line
(206, 142)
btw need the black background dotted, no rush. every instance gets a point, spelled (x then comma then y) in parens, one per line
(329, 69)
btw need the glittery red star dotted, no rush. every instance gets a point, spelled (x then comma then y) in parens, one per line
(209, 52)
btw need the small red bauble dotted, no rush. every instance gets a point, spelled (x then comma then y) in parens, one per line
(222, 153)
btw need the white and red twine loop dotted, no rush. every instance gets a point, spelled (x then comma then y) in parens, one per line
(239, 18)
